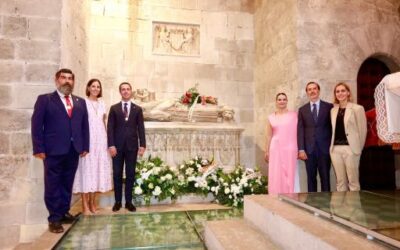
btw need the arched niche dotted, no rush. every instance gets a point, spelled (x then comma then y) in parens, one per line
(377, 164)
(370, 73)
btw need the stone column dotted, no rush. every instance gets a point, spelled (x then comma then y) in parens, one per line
(276, 67)
(29, 57)
(30, 54)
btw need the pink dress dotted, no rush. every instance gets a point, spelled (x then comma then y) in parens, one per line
(94, 170)
(282, 153)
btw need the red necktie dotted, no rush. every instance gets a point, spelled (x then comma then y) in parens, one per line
(69, 106)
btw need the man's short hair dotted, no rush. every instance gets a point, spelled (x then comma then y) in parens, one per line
(64, 70)
(125, 83)
(319, 88)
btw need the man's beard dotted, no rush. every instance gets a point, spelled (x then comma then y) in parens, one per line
(66, 89)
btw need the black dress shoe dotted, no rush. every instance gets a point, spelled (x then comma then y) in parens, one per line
(56, 227)
(68, 218)
(117, 206)
(130, 207)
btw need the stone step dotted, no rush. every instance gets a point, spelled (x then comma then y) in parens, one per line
(107, 199)
(291, 227)
(235, 234)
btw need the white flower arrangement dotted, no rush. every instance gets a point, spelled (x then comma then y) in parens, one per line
(156, 179)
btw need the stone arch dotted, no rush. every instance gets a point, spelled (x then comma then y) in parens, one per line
(391, 62)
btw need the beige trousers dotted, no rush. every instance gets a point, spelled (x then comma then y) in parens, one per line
(346, 164)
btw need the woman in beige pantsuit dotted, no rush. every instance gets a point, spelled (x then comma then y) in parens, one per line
(349, 131)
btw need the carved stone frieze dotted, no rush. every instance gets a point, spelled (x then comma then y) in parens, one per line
(175, 142)
(176, 39)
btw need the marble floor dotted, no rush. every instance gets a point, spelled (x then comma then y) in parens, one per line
(174, 226)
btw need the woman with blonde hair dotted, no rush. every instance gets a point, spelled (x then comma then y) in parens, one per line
(349, 131)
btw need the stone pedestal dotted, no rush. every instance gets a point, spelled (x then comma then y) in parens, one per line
(175, 142)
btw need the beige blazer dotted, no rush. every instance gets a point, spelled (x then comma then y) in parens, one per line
(355, 126)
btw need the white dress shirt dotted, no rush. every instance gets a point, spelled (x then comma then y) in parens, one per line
(317, 103)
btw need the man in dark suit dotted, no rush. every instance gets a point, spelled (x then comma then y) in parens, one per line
(126, 139)
(314, 132)
(60, 133)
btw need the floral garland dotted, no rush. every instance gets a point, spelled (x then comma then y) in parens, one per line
(156, 179)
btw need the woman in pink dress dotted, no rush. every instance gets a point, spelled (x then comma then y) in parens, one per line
(94, 170)
(281, 148)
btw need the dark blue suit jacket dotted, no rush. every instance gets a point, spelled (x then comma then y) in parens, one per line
(53, 130)
(312, 134)
(130, 133)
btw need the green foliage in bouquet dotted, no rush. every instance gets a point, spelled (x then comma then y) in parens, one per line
(190, 175)
(190, 96)
(231, 187)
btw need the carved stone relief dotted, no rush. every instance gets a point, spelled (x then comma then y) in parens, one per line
(176, 142)
(176, 39)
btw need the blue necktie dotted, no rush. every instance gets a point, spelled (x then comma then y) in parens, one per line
(126, 110)
(314, 112)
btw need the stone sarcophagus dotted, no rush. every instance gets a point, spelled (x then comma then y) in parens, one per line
(175, 142)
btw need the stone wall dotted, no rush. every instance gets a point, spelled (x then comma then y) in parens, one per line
(249, 51)
(74, 42)
(335, 37)
(120, 49)
(29, 56)
(36, 39)
(110, 40)
(276, 67)
(323, 41)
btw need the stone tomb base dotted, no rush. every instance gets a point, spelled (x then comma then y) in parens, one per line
(176, 142)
